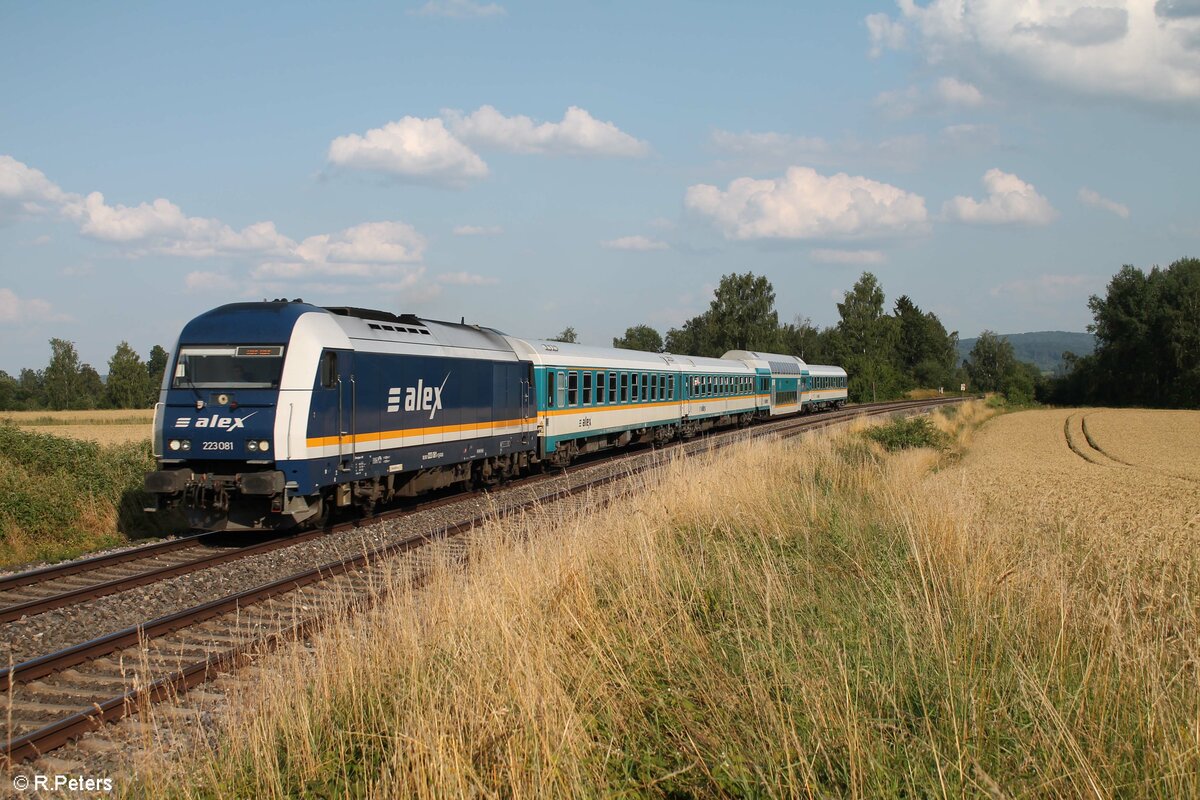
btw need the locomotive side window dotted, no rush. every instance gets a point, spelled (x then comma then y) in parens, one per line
(329, 370)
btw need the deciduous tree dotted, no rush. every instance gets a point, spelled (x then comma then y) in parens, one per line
(640, 337)
(128, 380)
(62, 375)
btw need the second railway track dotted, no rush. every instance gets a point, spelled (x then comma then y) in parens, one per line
(54, 698)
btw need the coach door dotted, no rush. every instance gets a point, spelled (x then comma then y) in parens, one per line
(340, 403)
(527, 409)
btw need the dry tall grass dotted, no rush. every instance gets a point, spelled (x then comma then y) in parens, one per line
(800, 619)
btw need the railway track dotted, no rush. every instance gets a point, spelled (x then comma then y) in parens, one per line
(54, 698)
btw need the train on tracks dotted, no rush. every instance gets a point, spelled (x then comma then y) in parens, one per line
(276, 414)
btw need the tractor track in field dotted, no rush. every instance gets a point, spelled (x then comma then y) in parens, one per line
(68, 689)
(1083, 443)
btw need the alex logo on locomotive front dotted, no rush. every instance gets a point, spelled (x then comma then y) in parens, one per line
(417, 398)
(214, 421)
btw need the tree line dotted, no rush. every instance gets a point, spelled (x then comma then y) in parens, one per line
(1147, 328)
(66, 383)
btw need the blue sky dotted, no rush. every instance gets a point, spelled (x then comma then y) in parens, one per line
(533, 166)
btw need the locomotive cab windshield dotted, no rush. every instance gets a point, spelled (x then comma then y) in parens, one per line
(234, 367)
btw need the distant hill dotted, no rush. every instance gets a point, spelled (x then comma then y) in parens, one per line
(1042, 348)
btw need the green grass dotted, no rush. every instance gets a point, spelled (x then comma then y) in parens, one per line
(62, 497)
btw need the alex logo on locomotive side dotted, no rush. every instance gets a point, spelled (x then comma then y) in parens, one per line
(417, 398)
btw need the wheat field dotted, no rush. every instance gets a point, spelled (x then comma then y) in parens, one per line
(1003, 618)
(105, 426)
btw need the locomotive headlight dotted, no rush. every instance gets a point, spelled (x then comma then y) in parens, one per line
(179, 444)
(252, 446)
(174, 445)
(222, 399)
(264, 445)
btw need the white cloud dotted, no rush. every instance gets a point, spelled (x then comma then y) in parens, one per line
(847, 256)
(954, 92)
(885, 33)
(1009, 199)
(948, 94)
(410, 148)
(804, 204)
(162, 227)
(1137, 50)
(1096, 200)
(14, 309)
(25, 190)
(478, 230)
(368, 243)
(640, 243)
(459, 9)
(466, 279)
(41, 240)
(1083, 27)
(578, 134)
(372, 254)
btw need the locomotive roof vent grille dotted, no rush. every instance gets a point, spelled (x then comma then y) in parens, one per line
(375, 326)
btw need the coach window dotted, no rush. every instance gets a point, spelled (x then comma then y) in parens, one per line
(624, 387)
(562, 389)
(329, 370)
(587, 388)
(572, 388)
(612, 388)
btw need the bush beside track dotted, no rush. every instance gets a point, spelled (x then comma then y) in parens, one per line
(62, 497)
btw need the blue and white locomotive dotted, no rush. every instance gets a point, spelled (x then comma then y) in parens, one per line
(275, 413)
